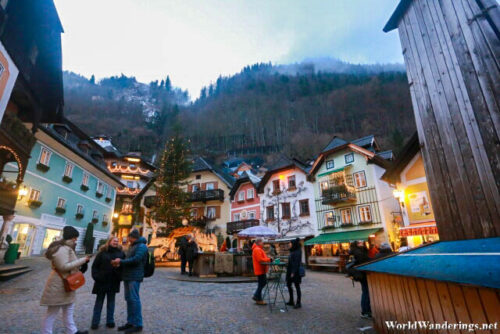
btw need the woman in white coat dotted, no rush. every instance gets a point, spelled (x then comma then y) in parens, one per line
(55, 297)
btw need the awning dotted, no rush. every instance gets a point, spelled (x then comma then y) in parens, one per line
(331, 172)
(348, 236)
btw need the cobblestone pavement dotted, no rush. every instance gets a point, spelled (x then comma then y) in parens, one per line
(330, 305)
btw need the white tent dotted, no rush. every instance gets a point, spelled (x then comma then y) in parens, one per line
(258, 232)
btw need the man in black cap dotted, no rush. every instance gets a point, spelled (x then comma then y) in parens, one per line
(132, 275)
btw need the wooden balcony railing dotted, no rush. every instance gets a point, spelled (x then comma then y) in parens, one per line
(234, 227)
(338, 194)
(206, 195)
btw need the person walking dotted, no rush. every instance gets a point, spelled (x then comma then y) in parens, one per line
(293, 273)
(360, 253)
(62, 255)
(191, 253)
(260, 270)
(132, 276)
(107, 281)
(182, 254)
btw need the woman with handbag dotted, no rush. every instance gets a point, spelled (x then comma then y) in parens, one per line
(107, 281)
(64, 279)
(293, 272)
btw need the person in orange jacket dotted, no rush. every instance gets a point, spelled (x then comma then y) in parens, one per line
(259, 269)
(223, 248)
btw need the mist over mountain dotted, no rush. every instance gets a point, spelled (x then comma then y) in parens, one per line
(265, 109)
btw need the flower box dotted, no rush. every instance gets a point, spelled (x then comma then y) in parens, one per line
(60, 210)
(42, 167)
(34, 204)
(94, 220)
(347, 225)
(67, 179)
(84, 187)
(108, 199)
(104, 223)
(79, 215)
(98, 194)
(366, 223)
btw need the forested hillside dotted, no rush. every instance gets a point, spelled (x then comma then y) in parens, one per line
(293, 109)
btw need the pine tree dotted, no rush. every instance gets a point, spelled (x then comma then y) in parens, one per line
(168, 84)
(175, 168)
(92, 80)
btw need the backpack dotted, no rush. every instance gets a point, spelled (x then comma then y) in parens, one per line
(352, 272)
(149, 264)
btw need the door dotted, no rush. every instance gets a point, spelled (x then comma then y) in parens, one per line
(23, 235)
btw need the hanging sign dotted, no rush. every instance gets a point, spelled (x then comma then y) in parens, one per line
(8, 76)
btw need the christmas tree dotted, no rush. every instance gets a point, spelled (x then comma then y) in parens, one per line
(175, 167)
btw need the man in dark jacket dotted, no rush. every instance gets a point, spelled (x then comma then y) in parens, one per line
(182, 253)
(360, 253)
(132, 275)
(191, 252)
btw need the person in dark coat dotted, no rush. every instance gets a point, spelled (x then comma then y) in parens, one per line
(385, 250)
(107, 281)
(182, 253)
(293, 272)
(360, 253)
(191, 253)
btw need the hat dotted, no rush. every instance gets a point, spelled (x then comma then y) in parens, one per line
(69, 232)
(134, 234)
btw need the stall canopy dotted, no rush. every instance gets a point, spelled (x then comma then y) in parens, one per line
(258, 232)
(332, 238)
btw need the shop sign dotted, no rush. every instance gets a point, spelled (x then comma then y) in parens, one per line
(8, 76)
(418, 231)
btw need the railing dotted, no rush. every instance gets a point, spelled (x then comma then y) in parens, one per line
(337, 194)
(206, 195)
(233, 227)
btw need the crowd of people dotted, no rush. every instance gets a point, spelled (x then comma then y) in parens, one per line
(111, 266)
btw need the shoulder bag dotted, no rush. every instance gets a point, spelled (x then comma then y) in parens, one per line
(73, 281)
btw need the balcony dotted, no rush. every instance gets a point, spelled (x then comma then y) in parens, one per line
(234, 227)
(338, 194)
(206, 195)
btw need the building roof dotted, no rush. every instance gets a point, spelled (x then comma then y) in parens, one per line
(387, 155)
(368, 142)
(282, 164)
(244, 178)
(72, 144)
(475, 261)
(411, 148)
(201, 165)
(335, 143)
(397, 15)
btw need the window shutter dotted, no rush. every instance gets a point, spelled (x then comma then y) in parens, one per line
(216, 185)
(203, 186)
(217, 212)
(190, 188)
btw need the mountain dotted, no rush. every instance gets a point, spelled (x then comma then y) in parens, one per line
(264, 109)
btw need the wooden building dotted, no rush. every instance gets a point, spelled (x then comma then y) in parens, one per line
(452, 52)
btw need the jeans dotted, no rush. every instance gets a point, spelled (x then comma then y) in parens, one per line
(110, 308)
(51, 315)
(134, 311)
(290, 290)
(183, 263)
(365, 297)
(261, 283)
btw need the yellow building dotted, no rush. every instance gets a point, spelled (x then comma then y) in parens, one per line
(418, 224)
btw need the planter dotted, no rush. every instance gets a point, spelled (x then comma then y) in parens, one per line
(365, 223)
(84, 187)
(34, 204)
(67, 179)
(79, 216)
(98, 195)
(104, 223)
(60, 210)
(108, 199)
(347, 225)
(42, 167)
(94, 220)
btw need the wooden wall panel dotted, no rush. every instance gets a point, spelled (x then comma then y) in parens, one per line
(452, 51)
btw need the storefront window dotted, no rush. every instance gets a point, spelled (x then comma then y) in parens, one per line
(50, 236)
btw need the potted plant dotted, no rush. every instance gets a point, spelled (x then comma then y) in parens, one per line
(104, 223)
(84, 187)
(79, 216)
(108, 199)
(34, 204)
(98, 194)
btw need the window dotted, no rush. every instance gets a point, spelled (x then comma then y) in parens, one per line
(236, 217)
(360, 179)
(349, 158)
(211, 212)
(250, 194)
(304, 207)
(34, 195)
(210, 186)
(50, 236)
(345, 215)
(329, 218)
(285, 209)
(126, 207)
(85, 179)
(105, 218)
(195, 187)
(45, 156)
(68, 170)
(79, 209)
(251, 214)
(276, 186)
(291, 182)
(270, 212)
(100, 187)
(241, 196)
(330, 164)
(95, 214)
(108, 192)
(61, 203)
(365, 213)
(198, 177)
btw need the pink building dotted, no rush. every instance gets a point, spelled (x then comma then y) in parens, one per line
(245, 203)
